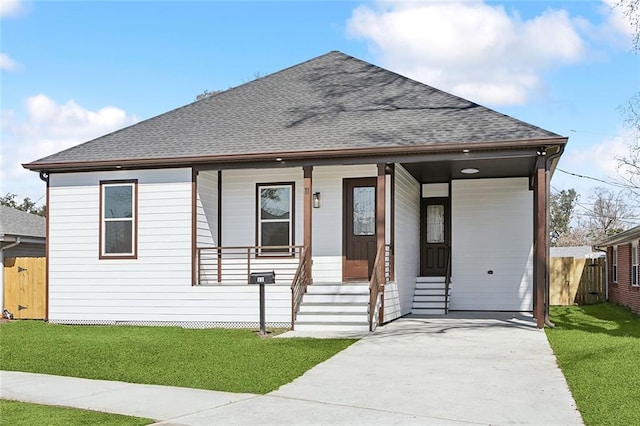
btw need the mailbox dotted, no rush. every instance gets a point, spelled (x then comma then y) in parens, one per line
(262, 277)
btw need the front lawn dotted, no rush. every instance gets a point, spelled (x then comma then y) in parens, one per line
(214, 359)
(13, 413)
(598, 349)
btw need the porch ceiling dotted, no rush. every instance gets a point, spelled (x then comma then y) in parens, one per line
(443, 171)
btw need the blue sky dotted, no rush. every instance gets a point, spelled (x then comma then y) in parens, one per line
(71, 71)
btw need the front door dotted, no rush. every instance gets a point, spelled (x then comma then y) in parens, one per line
(435, 236)
(359, 218)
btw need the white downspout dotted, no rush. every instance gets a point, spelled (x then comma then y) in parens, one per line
(2, 249)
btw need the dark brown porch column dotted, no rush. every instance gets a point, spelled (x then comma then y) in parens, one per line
(381, 200)
(308, 205)
(541, 235)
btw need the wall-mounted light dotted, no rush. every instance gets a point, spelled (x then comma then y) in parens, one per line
(316, 200)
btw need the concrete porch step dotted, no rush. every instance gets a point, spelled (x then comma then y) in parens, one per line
(332, 317)
(338, 289)
(427, 311)
(430, 279)
(309, 307)
(328, 326)
(428, 298)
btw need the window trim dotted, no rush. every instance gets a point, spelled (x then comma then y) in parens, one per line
(635, 279)
(292, 219)
(614, 264)
(134, 218)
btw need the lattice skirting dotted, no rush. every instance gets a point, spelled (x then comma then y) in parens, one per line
(183, 324)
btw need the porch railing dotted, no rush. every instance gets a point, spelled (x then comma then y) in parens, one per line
(376, 287)
(301, 280)
(447, 282)
(234, 265)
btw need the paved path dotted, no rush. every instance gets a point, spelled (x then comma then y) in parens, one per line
(440, 371)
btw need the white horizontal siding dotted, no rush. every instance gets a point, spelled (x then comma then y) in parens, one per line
(207, 208)
(492, 230)
(407, 239)
(157, 285)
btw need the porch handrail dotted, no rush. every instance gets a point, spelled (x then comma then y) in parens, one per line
(299, 285)
(447, 282)
(376, 286)
(234, 264)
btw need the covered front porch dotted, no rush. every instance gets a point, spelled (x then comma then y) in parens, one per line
(371, 225)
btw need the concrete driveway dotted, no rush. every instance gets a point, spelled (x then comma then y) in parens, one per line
(493, 369)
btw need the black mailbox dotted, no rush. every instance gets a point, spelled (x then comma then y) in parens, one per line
(262, 277)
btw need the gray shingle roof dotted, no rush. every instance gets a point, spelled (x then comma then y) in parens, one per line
(18, 223)
(331, 102)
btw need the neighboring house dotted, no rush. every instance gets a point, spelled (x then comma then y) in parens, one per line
(623, 273)
(333, 173)
(22, 234)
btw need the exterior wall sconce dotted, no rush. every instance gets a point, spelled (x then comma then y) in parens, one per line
(316, 200)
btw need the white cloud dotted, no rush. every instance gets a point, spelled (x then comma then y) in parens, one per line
(11, 8)
(8, 64)
(598, 161)
(615, 17)
(48, 127)
(472, 49)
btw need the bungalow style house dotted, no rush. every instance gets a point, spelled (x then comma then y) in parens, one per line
(623, 273)
(369, 196)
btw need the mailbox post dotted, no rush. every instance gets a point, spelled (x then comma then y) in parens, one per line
(262, 278)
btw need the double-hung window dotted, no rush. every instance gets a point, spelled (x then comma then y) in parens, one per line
(634, 264)
(614, 268)
(275, 217)
(118, 227)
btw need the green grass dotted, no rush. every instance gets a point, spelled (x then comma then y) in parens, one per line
(13, 413)
(598, 349)
(215, 359)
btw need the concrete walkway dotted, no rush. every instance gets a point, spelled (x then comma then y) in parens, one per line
(489, 370)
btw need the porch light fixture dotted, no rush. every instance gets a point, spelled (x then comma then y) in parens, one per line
(316, 200)
(469, 171)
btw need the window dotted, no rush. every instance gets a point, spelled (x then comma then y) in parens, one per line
(275, 216)
(634, 264)
(364, 210)
(118, 227)
(614, 274)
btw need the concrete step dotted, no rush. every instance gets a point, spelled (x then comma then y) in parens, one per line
(331, 317)
(335, 298)
(428, 298)
(430, 311)
(323, 326)
(333, 307)
(430, 291)
(430, 279)
(337, 289)
(431, 286)
(428, 305)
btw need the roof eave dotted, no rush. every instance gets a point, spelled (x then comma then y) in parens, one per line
(70, 166)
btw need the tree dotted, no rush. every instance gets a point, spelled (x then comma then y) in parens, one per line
(630, 163)
(207, 94)
(631, 9)
(562, 206)
(26, 206)
(610, 213)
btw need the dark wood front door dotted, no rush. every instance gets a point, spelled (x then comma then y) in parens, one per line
(435, 236)
(359, 218)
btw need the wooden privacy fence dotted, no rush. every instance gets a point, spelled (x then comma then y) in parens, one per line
(577, 281)
(24, 287)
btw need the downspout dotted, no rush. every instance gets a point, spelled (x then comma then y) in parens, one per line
(547, 172)
(2, 249)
